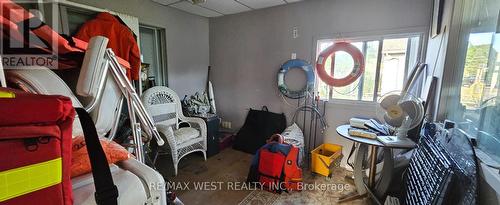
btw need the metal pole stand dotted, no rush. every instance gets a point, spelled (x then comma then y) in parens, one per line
(135, 107)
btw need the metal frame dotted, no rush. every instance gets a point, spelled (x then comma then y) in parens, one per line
(362, 78)
(135, 106)
(377, 70)
(3, 82)
(369, 186)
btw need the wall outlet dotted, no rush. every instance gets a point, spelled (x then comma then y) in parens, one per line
(226, 124)
(294, 56)
(295, 32)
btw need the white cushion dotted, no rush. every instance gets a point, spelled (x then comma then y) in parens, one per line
(106, 113)
(130, 188)
(185, 134)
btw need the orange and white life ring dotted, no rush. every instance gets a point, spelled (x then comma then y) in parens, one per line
(357, 70)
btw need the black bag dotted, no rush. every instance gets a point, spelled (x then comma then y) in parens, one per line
(259, 126)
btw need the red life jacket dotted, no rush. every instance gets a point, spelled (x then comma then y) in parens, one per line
(277, 167)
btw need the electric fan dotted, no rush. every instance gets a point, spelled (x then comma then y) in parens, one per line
(401, 111)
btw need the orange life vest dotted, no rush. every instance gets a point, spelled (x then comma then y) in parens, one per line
(275, 167)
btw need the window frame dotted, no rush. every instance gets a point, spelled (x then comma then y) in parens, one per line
(64, 22)
(161, 52)
(420, 32)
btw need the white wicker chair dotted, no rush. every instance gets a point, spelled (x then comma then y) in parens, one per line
(164, 106)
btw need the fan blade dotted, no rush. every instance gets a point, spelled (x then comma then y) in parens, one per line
(410, 107)
(395, 122)
(389, 100)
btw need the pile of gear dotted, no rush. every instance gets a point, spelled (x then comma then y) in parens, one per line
(293, 135)
(196, 104)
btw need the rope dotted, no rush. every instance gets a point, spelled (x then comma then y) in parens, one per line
(349, 92)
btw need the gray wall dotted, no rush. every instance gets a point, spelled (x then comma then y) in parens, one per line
(187, 39)
(247, 49)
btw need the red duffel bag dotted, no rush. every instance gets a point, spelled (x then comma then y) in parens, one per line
(35, 150)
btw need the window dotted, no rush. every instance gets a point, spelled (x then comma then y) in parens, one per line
(72, 18)
(474, 102)
(152, 46)
(387, 61)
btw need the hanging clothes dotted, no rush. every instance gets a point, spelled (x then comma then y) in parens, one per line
(121, 39)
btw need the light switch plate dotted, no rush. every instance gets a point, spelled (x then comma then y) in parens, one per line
(295, 32)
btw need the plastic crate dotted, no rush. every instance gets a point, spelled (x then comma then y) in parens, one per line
(323, 156)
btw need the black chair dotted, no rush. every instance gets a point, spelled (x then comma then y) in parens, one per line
(442, 170)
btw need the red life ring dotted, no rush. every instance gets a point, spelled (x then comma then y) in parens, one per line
(357, 70)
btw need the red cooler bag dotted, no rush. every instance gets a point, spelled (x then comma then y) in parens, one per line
(35, 148)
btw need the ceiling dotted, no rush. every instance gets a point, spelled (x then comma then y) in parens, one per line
(215, 8)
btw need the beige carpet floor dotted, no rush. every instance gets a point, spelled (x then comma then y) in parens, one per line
(219, 180)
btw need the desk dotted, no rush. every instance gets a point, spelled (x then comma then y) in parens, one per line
(374, 188)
